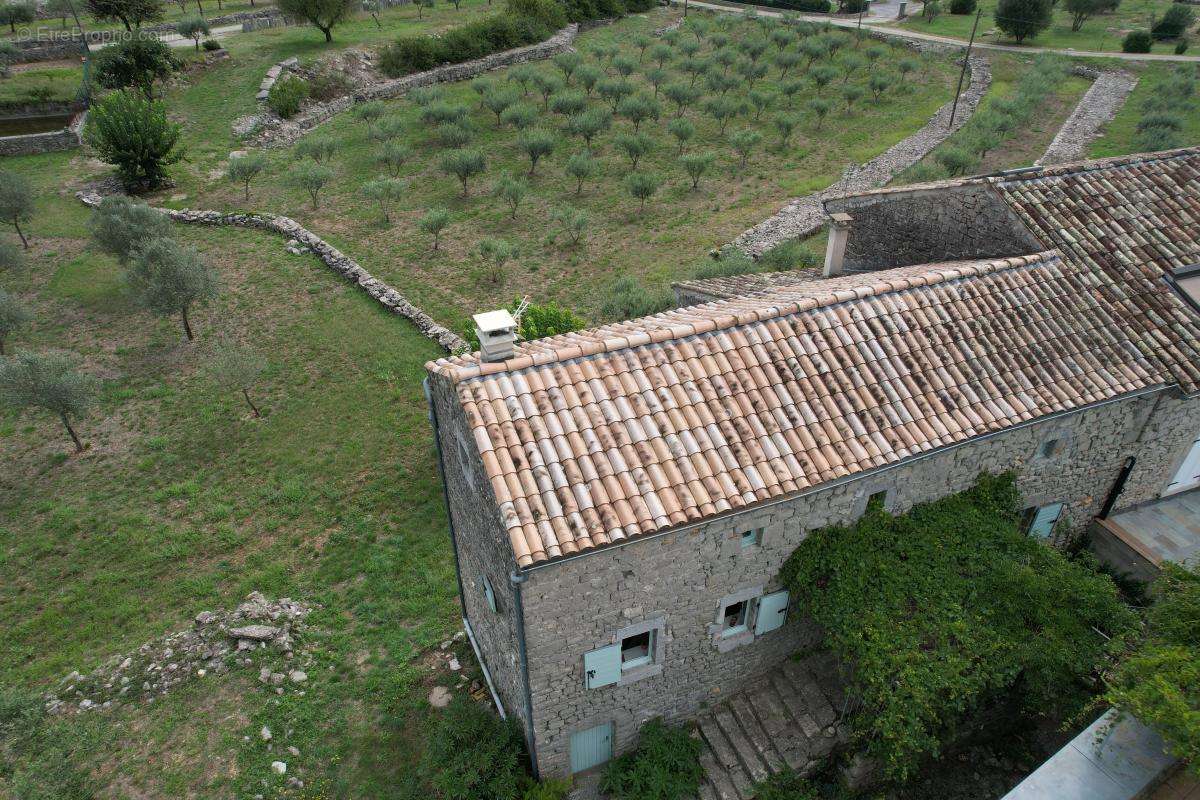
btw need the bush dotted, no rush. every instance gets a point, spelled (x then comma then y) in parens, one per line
(853, 6)
(537, 322)
(628, 299)
(949, 609)
(963, 6)
(729, 262)
(1137, 42)
(328, 84)
(287, 95)
(211, 45)
(789, 255)
(132, 132)
(665, 765)
(1177, 19)
(1181, 46)
(472, 754)
(136, 62)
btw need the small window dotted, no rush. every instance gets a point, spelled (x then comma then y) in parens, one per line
(877, 501)
(637, 650)
(733, 621)
(751, 538)
(488, 593)
(1049, 448)
(1040, 520)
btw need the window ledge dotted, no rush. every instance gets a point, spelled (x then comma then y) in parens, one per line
(726, 643)
(639, 673)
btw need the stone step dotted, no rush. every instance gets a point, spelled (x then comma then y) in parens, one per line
(814, 699)
(725, 759)
(795, 705)
(716, 779)
(758, 737)
(826, 669)
(788, 739)
(747, 755)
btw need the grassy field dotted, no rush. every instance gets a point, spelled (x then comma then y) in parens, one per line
(1102, 33)
(1120, 135)
(678, 224)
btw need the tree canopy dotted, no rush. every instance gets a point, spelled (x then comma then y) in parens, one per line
(51, 381)
(321, 14)
(130, 13)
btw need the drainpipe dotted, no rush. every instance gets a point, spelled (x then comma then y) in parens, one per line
(1117, 487)
(518, 578)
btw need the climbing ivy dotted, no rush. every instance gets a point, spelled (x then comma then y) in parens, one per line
(949, 609)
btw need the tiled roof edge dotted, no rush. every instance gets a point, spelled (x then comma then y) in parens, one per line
(457, 373)
(1089, 165)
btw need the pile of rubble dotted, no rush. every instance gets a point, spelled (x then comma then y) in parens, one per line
(216, 641)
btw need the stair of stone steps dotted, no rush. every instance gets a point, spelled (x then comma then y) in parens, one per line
(727, 772)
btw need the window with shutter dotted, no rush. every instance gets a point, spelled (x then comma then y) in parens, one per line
(602, 667)
(772, 611)
(1041, 525)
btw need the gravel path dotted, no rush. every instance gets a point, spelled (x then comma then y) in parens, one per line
(1096, 109)
(803, 216)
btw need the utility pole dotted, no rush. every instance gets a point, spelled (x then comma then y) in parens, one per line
(861, 10)
(963, 73)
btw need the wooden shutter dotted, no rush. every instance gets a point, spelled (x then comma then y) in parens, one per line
(602, 667)
(772, 611)
(1044, 519)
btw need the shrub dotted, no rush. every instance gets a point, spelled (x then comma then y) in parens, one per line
(287, 95)
(434, 222)
(511, 190)
(120, 225)
(546, 12)
(1177, 19)
(137, 62)
(568, 103)
(520, 116)
(464, 165)
(1023, 19)
(1137, 42)
(417, 53)
(548, 319)
(730, 261)
(581, 166)
(471, 754)
(1181, 46)
(327, 83)
(497, 253)
(642, 186)
(211, 45)
(14, 316)
(628, 299)
(573, 221)
(788, 256)
(312, 178)
(956, 160)
(665, 765)
(131, 131)
(949, 608)
(852, 6)
(454, 135)
(12, 257)
(245, 169)
(963, 6)
(317, 147)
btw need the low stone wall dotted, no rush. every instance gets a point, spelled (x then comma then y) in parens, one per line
(805, 215)
(27, 144)
(333, 258)
(1096, 108)
(34, 50)
(272, 75)
(272, 131)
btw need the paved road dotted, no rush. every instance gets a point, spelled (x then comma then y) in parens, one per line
(175, 40)
(888, 30)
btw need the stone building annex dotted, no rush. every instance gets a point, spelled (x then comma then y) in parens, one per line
(621, 499)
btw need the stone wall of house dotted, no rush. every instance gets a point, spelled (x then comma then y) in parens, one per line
(895, 229)
(483, 548)
(578, 605)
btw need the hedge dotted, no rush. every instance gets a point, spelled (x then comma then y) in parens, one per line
(807, 6)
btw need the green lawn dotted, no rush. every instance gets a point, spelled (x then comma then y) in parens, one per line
(678, 225)
(38, 85)
(1120, 136)
(1102, 33)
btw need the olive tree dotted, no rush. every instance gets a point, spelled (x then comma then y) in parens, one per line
(497, 253)
(434, 222)
(581, 166)
(744, 142)
(16, 202)
(244, 169)
(683, 130)
(512, 191)
(130, 13)
(696, 165)
(393, 156)
(321, 14)
(573, 221)
(385, 192)
(642, 186)
(193, 28)
(589, 125)
(536, 144)
(319, 148)
(13, 316)
(634, 147)
(120, 226)
(312, 178)
(238, 368)
(167, 278)
(12, 257)
(464, 165)
(50, 381)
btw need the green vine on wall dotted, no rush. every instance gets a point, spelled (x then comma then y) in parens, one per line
(948, 609)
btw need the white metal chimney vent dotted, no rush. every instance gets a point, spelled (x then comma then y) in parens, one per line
(497, 332)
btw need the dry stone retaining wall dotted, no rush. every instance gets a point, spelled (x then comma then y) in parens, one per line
(804, 216)
(49, 142)
(333, 258)
(1096, 109)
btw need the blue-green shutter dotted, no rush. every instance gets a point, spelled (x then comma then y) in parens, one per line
(772, 611)
(1044, 519)
(591, 748)
(602, 667)
(488, 593)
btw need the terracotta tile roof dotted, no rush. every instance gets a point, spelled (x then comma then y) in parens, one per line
(751, 283)
(598, 436)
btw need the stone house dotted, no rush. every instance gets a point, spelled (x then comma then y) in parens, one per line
(621, 499)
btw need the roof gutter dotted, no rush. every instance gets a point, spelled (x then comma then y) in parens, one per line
(821, 487)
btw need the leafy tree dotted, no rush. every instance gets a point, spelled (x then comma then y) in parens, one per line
(568, 103)
(633, 146)
(434, 222)
(421, 6)
(323, 15)
(751, 72)
(50, 381)
(950, 608)
(547, 86)
(385, 192)
(721, 109)
(573, 221)
(665, 765)
(786, 61)
(497, 253)
(471, 753)
(1174, 22)
(744, 143)
(523, 75)
(878, 84)
(683, 130)
(589, 125)
(984, 140)
(319, 148)
(682, 96)
(15, 14)
(60, 9)
(784, 125)
(637, 109)
(16, 202)
(660, 54)
(1023, 19)
(130, 13)
(567, 64)
(624, 66)
(245, 169)
(512, 191)
(761, 102)
(641, 42)
(464, 165)
(642, 186)
(536, 144)
(587, 76)
(393, 156)
(1159, 680)
(132, 132)
(852, 93)
(954, 159)
(1082, 10)
(614, 90)
(370, 112)
(193, 28)
(498, 101)
(581, 166)
(520, 115)
(168, 278)
(239, 368)
(13, 316)
(121, 225)
(137, 62)
(696, 165)
(931, 10)
(312, 178)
